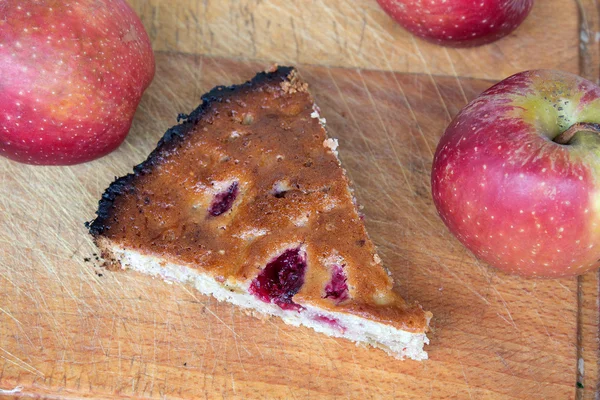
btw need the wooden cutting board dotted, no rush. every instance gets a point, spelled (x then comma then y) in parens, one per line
(69, 329)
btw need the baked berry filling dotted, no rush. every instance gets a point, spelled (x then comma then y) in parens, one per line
(337, 288)
(224, 200)
(281, 279)
(332, 322)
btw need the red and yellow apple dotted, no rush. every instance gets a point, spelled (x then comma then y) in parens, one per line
(73, 73)
(458, 23)
(516, 175)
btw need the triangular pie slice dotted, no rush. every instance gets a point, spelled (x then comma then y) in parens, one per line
(247, 201)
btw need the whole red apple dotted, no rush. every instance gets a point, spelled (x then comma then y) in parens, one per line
(458, 23)
(516, 175)
(72, 75)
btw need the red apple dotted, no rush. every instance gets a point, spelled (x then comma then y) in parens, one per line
(72, 75)
(516, 175)
(458, 23)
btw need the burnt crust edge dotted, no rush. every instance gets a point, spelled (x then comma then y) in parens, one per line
(172, 137)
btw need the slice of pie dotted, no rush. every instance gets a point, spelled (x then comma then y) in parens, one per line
(247, 201)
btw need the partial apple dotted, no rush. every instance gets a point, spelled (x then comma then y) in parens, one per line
(72, 75)
(458, 23)
(516, 175)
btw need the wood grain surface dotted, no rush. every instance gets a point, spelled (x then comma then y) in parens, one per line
(75, 330)
(69, 329)
(355, 33)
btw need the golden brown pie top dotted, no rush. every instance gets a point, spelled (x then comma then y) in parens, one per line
(249, 174)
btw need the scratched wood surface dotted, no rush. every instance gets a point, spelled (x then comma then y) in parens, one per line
(74, 330)
(68, 329)
(355, 33)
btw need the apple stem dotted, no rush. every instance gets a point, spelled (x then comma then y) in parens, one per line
(566, 136)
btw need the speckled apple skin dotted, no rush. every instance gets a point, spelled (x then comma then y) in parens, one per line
(73, 73)
(516, 199)
(458, 23)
